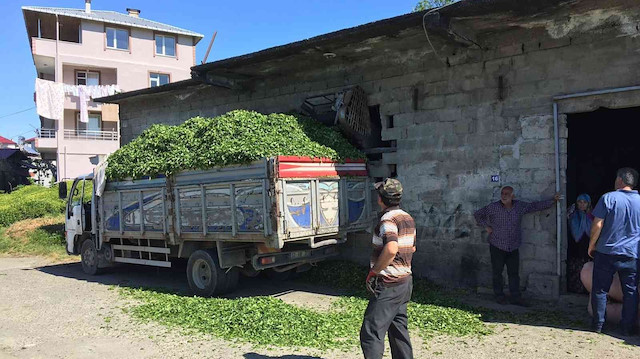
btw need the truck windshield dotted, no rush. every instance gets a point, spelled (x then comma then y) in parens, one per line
(76, 192)
(81, 192)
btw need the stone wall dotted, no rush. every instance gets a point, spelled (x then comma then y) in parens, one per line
(464, 128)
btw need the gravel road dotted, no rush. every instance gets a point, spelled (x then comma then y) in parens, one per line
(53, 310)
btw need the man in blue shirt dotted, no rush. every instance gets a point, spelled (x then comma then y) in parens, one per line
(615, 234)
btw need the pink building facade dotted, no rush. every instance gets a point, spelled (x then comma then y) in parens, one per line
(86, 47)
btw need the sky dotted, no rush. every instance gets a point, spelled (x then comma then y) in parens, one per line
(243, 27)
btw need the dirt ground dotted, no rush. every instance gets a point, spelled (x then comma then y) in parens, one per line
(53, 310)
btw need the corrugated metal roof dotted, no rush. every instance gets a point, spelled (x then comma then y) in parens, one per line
(113, 17)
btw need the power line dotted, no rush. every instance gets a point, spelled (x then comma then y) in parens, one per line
(20, 134)
(14, 137)
(15, 113)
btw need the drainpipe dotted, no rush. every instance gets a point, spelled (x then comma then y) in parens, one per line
(557, 153)
(556, 136)
(58, 78)
(65, 162)
(57, 75)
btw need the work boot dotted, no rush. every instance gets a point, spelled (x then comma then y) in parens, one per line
(596, 328)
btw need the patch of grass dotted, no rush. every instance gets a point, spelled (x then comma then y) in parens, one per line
(270, 321)
(42, 236)
(29, 202)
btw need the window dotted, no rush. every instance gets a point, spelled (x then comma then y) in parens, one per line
(156, 79)
(89, 128)
(88, 78)
(117, 39)
(165, 45)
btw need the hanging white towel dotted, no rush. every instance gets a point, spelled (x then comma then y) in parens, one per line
(84, 94)
(50, 99)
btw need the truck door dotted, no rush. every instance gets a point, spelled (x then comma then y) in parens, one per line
(74, 221)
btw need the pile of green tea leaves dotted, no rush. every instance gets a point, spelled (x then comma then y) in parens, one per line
(270, 321)
(237, 137)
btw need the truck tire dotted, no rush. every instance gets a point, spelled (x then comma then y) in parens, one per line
(231, 278)
(89, 257)
(204, 275)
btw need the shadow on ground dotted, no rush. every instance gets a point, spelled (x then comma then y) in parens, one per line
(568, 313)
(174, 280)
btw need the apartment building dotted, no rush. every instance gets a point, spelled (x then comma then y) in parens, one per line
(85, 52)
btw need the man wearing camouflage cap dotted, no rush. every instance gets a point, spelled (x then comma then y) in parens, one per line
(389, 281)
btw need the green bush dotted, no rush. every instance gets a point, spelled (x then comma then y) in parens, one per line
(237, 137)
(29, 202)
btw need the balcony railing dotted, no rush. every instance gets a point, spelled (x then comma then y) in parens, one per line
(91, 135)
(46, 133)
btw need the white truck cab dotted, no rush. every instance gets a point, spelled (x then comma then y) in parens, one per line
(80, 221)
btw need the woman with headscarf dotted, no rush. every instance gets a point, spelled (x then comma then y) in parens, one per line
(580, 219)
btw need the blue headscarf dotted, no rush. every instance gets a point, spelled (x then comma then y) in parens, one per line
(580, 223)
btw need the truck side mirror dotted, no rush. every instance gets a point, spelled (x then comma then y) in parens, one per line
(62, 190)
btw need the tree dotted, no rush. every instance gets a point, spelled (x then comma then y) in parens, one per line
(430, 4)
(13, 169)
(44, 169)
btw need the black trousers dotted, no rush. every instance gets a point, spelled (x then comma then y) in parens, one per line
(387, 311)
(498, 260)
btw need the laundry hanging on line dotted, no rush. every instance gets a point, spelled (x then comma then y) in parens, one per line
(86, 93)
(50, 97)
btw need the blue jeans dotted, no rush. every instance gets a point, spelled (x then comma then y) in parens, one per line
(604, 267)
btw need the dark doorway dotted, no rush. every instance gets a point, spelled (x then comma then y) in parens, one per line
(599, 143)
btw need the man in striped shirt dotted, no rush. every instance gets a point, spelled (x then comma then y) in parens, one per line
(389, 280)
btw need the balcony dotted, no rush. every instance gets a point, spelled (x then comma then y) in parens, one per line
(46, 133)
(91, 135)
(43, 47)
(46, 139)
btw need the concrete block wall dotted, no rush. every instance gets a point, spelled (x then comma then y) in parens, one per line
(462, 130)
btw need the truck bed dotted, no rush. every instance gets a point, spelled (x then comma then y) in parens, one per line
(272, 201)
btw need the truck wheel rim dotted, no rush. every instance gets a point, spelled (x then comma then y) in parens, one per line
(201, 273)
(89, 257)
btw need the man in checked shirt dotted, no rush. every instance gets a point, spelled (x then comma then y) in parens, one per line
(502, 220)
